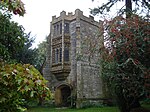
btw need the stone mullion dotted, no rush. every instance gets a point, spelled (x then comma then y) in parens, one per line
(63, 21)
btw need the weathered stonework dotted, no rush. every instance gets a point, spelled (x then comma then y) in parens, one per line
(72, 63)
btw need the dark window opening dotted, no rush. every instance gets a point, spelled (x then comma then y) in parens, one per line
(56, 55)
(53, 56)
(57, 28)
(60, 28)
(66, 28)
(54, 29)
(66, 54)
(60, 55)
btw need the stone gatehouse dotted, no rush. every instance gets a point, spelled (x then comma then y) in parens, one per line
(72, 64)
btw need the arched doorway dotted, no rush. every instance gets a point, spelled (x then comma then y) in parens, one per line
(63, 95)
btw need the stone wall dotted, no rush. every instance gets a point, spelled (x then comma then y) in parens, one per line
(89, 83)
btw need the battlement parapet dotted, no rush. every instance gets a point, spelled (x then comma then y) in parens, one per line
(77, 15)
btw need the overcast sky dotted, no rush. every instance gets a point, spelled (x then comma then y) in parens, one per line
(39, 14)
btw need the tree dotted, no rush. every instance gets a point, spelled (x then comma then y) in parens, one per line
(15, 44)
(126, 67)
(15, 6)
(41, 55)
(18, 82)
(145, 5)
(27, 54)
(12, 37)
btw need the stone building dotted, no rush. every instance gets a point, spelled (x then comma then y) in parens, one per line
(72, 60)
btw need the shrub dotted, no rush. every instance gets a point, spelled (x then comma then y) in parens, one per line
(18, 84)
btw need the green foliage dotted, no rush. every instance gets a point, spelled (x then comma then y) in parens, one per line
(41, 55)
(12, 38)
(15, 45)
(18, 84)
(27, 54)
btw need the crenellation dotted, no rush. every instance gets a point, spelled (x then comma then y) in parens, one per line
(70, 14)
(78, 13)
(91, 17)
(90, 21)
(53, 18)
(63, 14)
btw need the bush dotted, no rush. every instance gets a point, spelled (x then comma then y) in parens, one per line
(18, 84)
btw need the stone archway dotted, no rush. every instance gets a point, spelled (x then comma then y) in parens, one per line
(62, 96)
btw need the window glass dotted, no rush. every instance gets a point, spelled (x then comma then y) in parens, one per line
(60, 55)
(56, 55)
(66, 54)
(54, 29)
(60, 28)
(57, 28)
(53, 56)
(66, 28)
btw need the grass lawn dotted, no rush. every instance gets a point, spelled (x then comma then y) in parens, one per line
(102, 109)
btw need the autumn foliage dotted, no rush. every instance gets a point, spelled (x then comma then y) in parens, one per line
(19, 84)
(126, 58)
(15, 6)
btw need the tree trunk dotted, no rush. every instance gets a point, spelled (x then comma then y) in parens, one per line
(134, 103)
(122, 103)
(128, 4)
